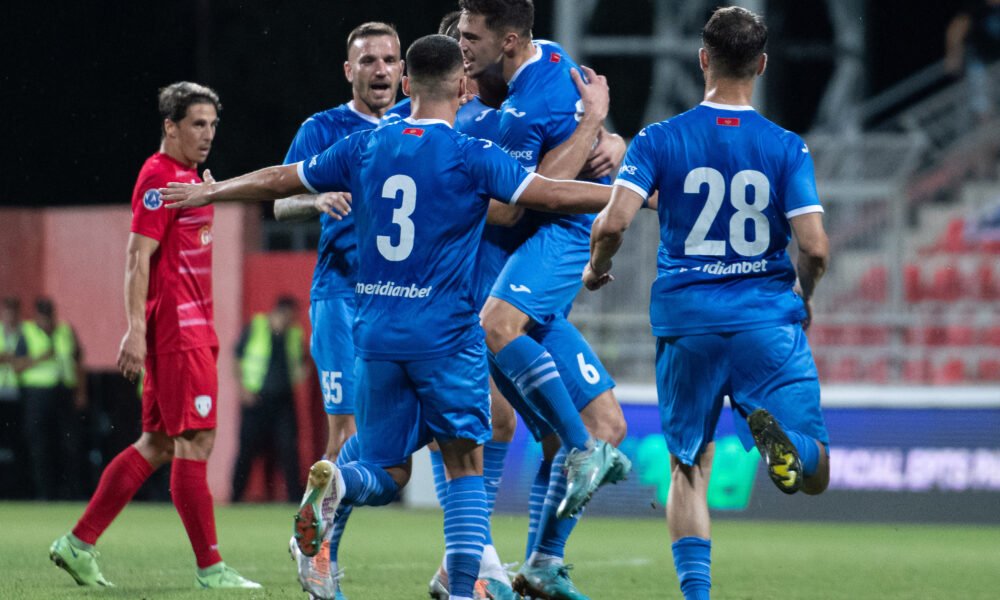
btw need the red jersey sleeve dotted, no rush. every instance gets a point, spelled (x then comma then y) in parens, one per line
(149, 216)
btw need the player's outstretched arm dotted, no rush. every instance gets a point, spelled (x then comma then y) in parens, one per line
(265, 184)
(132, 351)
(564, 196)
(566, 160)
(607, 234)
(307, 206)
(814, 255)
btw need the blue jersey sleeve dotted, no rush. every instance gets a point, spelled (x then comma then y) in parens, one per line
(331, 170)
(496, 174)
(308, 142)
(638, 170)
(800, 196)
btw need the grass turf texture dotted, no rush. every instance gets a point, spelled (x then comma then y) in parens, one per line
(391, 554)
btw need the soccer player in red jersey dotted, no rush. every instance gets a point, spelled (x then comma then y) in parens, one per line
(168, 303)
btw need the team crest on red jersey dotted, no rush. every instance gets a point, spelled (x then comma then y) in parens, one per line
(205, 235)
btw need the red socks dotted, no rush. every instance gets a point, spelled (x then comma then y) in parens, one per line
(193, 501)
(120, 480)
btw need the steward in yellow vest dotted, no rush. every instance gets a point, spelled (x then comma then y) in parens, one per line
(10, 336)
(270, 355)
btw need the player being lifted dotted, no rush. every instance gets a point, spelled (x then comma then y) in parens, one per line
(733, 188)
(420, 194)
(503, 233)
(566, 386)
(168, 301)
(373, 68)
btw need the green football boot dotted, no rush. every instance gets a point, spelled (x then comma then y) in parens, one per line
(220, 577)
(587, 470)
(782, 459)
(550, 582)
(79, 563)
(497, 590)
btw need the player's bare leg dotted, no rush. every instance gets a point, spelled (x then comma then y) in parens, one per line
(689, 523)
(340, 428)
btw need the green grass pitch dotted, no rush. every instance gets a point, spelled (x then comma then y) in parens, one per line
(390, 554)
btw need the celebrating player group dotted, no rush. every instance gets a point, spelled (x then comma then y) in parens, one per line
(457, 228)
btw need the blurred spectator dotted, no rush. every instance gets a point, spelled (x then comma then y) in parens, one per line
(972, 43)
(47, 360)
(12, 451)
(270, 362)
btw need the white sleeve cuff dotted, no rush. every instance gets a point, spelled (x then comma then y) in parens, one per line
(631, 186)
(812, 208)
(300, 168)
(520, 189)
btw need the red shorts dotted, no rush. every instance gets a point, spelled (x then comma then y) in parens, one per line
(180, 391)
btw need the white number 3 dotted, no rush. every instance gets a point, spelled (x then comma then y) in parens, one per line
(400, 216)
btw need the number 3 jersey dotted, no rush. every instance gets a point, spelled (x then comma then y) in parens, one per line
(420, 193)
(729, 180)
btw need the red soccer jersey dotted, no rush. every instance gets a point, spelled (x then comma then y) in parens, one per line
(179, 303)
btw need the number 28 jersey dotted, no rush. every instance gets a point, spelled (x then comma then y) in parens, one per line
(729, 180)
(420, 193)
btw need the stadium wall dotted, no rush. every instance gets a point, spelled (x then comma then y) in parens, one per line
(77, 257)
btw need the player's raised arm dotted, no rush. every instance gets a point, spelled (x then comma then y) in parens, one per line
(566, 160)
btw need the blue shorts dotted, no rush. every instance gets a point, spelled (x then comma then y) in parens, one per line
(332, 348)
(579, 368)
(403, 405)
(770, 368)
(544, 274)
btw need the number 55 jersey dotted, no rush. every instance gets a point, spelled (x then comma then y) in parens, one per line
(729, 181)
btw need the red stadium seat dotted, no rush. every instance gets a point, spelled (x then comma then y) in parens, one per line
(991, 336)
(917, 370)
(912, 286)
(960, 335)
(875, 284)
(985, 284)
(953, 239)
(950, 371)
(946, 286)
(846, 370)
(989, 370)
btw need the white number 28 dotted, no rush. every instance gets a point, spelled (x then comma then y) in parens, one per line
(697, 242)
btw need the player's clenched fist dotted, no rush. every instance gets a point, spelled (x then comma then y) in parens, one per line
(132, 355)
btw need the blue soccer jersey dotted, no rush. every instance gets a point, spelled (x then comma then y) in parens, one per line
(401, 110)
(541, 112)
(336, 259)
(475, 119)
(729, 180)
(421, 191)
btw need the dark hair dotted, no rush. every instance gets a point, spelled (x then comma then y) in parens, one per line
(370, 29)
(449, 24)
(430, 59)
(734, 38)
(12, 303)
(286, 302)
(44, 307)
(177, 97)
(503, 15)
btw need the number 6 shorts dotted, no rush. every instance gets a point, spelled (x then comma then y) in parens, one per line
(332, 349)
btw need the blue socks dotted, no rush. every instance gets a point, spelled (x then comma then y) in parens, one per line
(553, 531)
(367, 484)
(465, 525)
(494, 454)
(808, 451)
(440, 477)
(350, 452)
(531, 368)
(539, 488)
(693, 561)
